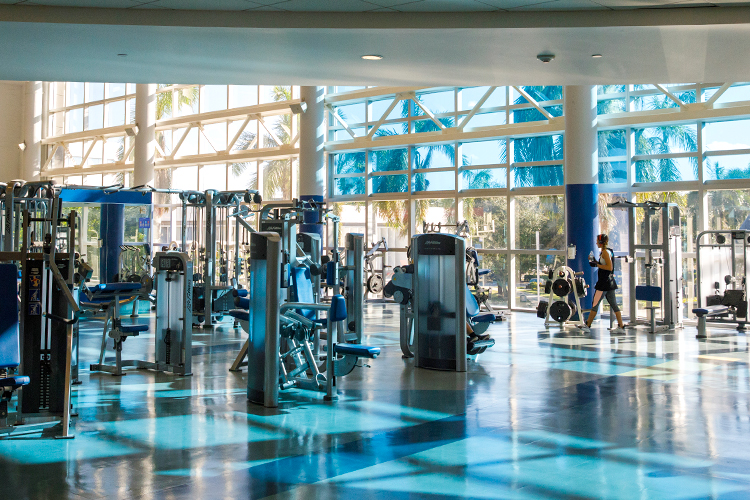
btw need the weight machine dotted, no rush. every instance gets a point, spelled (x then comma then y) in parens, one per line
(40, 341)
(657, 263)
(375, 279)
(174, 325)
(279, 347)
(721, 256)
(216, 264)
(436, 303)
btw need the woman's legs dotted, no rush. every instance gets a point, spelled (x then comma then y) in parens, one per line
(598, 295)
(612, 300)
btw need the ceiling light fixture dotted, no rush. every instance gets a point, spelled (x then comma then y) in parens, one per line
(545, 58)
(372, 57)
(596, 56)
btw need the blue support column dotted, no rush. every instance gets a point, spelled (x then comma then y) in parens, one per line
(581, 179)
(112, 231)
(582, 220)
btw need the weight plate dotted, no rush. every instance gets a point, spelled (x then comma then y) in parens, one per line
(375, 284)
(561, 287)
(559, 311)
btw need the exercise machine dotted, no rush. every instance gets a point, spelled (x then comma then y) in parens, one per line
(436, 304)
(39, 341)
(375, 278)
(655, 272)
(173, 335)
(721, 257)
(271, 365)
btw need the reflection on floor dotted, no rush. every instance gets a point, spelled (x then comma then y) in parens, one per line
(544, 414)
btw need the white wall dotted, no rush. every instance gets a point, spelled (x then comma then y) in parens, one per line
(11, 129)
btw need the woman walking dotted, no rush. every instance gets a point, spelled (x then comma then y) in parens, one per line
(605, 285)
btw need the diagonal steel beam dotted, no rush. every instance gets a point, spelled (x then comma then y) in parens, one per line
(670, 95)
(341, 121)
(718, 94)
(533, 102)
(397, 99)
(476, 108)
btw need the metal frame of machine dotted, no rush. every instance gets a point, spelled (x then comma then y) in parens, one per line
(732, 305)
(666, 256)
(49, 308)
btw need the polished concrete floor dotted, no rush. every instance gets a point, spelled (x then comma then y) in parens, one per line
(545, 414)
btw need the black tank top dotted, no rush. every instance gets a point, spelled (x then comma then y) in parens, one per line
(605, 281)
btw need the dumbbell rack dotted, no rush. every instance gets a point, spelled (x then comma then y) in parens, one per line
(562, 282)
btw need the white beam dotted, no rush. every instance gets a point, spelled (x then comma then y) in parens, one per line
(523, 129)
(341, 121)
(119, 130)
(437, 122)
(182, 139)
(533, 102)
(398, 98)
(88, 152)
(669, 94)
(476, 108)
(269, 109)
(270, 132)
(239, 133)
(718, 93)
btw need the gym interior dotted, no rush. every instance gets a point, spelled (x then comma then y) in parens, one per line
(374, 249)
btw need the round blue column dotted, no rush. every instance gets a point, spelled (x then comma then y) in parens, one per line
(581, 179)
(112, 234)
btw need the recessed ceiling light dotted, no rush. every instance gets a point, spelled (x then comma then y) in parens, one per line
(372, 57)
(122, 55)
(596, 56)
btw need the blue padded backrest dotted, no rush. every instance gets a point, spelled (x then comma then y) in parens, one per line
(302, 290)
(330, 278)
(10, 354)
(472, 307)
(648, 293)
(474, 256)
(338, 308)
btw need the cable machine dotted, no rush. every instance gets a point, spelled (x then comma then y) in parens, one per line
(655, 272)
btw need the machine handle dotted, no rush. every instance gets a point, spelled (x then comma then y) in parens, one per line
(65, 321)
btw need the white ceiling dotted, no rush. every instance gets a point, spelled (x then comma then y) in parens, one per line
(639, 46)
(375, 5)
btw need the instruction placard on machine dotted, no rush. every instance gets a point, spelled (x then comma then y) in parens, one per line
(35, 293)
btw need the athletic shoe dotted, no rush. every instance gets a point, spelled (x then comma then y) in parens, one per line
(618, 330)
(585, 329)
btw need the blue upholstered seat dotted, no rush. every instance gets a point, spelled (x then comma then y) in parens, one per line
(240, 314)
(133, 328)
(362, 351)
(710, 310)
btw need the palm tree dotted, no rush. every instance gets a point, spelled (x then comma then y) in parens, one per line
(542, 148)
